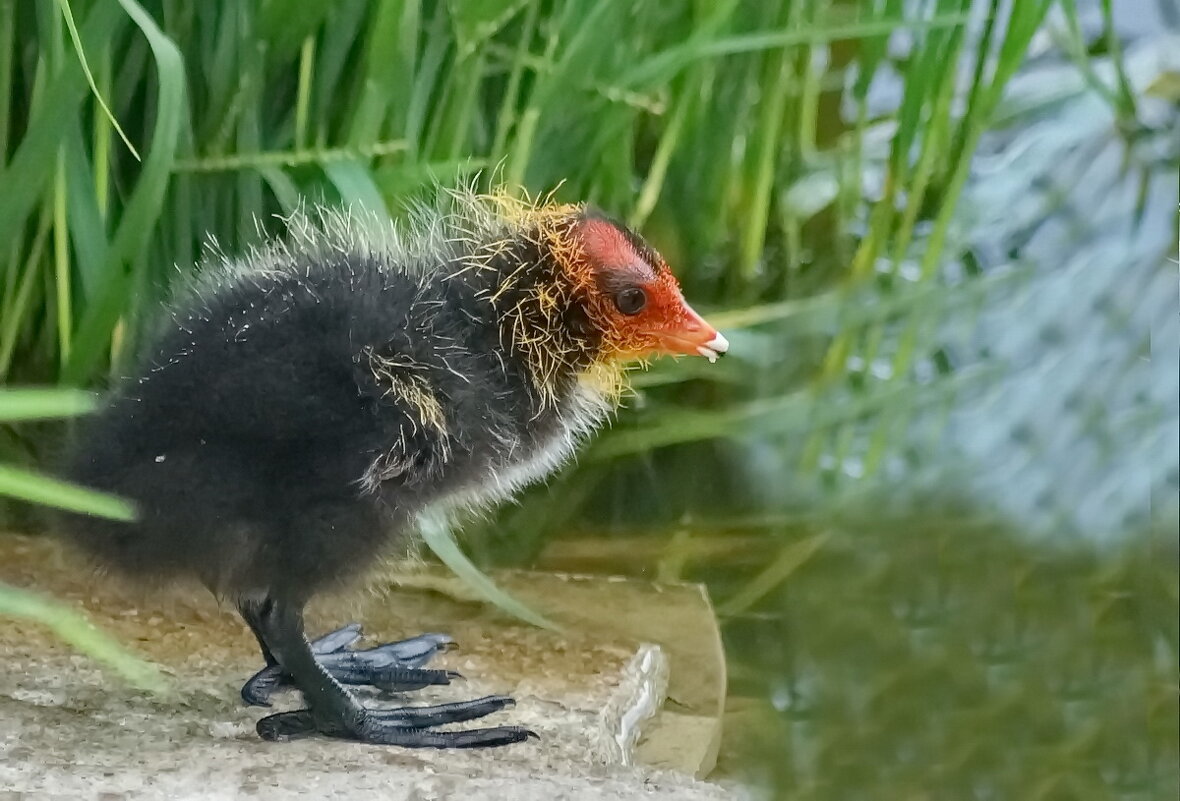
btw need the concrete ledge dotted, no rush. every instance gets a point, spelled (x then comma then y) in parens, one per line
(69, 730)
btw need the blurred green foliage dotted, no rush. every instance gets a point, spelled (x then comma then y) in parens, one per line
(23, 406)
(940, 235)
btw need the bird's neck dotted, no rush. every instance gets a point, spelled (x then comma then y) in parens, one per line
(538, 305)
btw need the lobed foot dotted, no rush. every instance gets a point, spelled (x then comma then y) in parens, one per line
(395, 666)
(405, 726)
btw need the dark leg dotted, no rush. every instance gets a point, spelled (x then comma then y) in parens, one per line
(394, 666)
(249, 614)
(333, 711)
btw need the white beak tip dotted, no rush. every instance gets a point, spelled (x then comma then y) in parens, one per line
(715, 348)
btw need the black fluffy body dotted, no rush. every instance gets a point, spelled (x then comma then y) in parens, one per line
(260, 439)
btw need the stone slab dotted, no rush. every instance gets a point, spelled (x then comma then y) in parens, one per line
(68, 729)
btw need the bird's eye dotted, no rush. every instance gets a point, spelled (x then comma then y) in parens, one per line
(631, 301)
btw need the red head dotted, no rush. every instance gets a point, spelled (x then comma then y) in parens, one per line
(634, 299)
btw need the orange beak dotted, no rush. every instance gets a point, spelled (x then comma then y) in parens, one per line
(688, 333)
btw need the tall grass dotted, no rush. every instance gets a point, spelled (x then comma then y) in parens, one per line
(714, 126)
(696, 120)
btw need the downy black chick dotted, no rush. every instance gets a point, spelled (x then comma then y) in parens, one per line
(299, 408)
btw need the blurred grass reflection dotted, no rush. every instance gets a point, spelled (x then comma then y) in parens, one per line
(945, 659)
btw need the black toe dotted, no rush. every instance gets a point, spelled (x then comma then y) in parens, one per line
(409, 727)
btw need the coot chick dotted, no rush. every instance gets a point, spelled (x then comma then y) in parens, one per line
(299, 408)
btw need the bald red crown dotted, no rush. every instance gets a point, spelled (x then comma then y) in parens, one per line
(654, 321)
